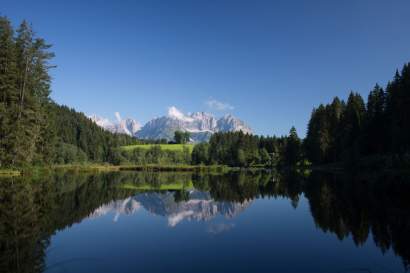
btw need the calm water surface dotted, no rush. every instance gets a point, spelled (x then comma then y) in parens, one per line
(179, 222)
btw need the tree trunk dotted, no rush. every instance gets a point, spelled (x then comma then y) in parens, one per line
(23, 89)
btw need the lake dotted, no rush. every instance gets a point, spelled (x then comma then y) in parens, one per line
(185, 222)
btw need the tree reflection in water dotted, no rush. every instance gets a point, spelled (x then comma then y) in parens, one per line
(33, 209)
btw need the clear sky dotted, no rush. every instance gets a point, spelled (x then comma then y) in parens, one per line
(267, 62)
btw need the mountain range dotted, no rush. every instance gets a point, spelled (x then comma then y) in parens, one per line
(200, 125)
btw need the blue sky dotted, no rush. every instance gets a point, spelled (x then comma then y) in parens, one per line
(267, 62)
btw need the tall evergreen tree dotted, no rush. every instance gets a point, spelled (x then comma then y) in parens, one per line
(335, 111)
(8, 91)
(292, 153)
(398, 111)
(352, 123)
(33, 83)
(375, 136)
(317, 140)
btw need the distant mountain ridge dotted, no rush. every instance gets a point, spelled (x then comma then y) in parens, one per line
(201, 125)
(126, 126)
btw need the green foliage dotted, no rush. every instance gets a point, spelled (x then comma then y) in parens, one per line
(293, 150)
(375, 133)
(237, 149)
(200, 154)
(76, 129)
(323, 132)
(24, 93)
(181, 137)
(347, 132)
(33, 129)
(68, 153)
(155, 154)
(265, 157)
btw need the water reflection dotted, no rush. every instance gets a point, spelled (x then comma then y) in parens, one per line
(198, 206)
(33, 209)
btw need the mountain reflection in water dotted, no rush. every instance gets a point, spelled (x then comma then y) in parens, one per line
(200, 206)
(361, 207)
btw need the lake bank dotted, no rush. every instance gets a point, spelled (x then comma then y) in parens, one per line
(38, 170)
(117, 168)
(7, 172)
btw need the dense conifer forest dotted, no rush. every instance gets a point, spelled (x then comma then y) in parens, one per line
(376, 132)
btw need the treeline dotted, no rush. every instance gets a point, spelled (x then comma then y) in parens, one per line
(354, 130)
(33, 129)
(153, 155)
(79, 139)
(355, 133)
(245, 150)
(235, 149)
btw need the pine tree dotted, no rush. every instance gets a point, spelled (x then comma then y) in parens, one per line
(352, 123)
(241, 158)
(405, 108)
(318, 141)
(393, 92)
(200, 154)
(8, 91)
(375, 122)
(292, 153)
(335, 111)
(398, 111)
(33, 83)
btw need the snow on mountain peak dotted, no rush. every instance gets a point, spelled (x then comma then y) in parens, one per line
(102, 122)
(122, 126)
(118, 117)
(201, 125)
(175, 113)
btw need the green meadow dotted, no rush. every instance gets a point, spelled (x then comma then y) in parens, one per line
(165, 147)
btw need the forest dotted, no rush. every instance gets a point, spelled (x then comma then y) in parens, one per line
(375, 133)
(350, 134)
(34, 130)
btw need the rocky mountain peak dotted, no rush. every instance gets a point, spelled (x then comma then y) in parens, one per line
(201, 125)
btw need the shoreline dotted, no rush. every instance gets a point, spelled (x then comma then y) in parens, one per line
(148, 167)
(37, 170)
(9, 173)
(113, 168)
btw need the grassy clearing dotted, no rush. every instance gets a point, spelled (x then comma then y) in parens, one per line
(9, 173)
(165, 147)
(163, 187)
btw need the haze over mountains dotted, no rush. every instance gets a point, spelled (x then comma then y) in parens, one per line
(201, 125)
